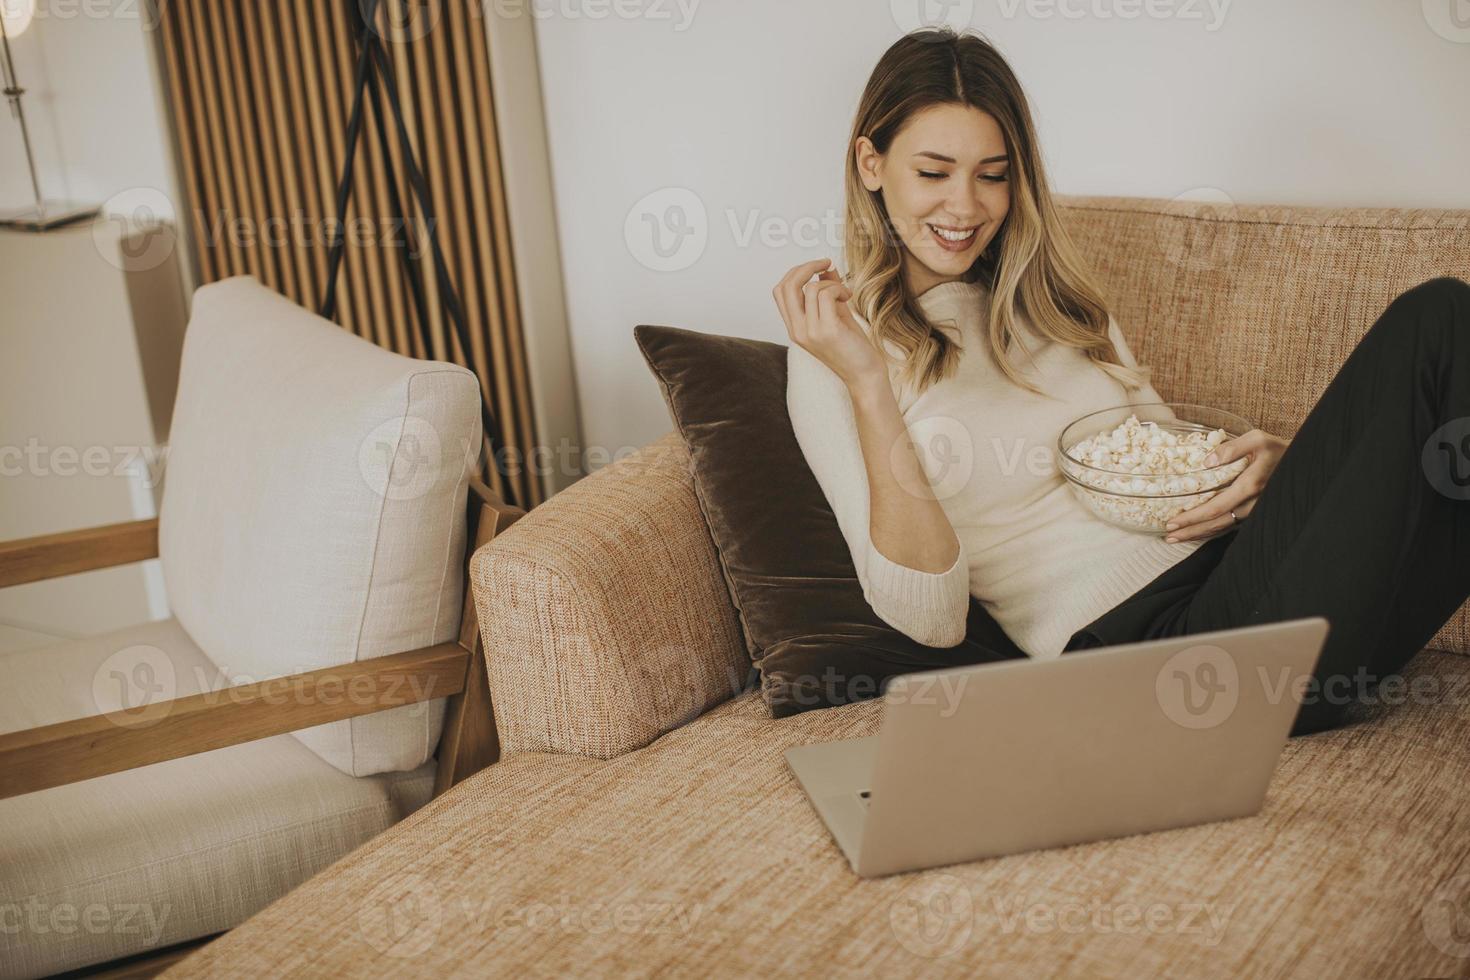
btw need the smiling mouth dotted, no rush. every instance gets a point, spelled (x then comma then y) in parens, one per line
(953, 239)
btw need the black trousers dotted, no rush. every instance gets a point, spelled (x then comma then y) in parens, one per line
(1366, 520)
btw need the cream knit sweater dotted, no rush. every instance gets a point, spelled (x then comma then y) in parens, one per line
(1039, 562)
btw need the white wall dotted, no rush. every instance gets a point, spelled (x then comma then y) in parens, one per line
(747, 104)
(69, 341)
(93, 106)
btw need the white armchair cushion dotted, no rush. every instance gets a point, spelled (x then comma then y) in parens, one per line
(313, 512)
(172, 851)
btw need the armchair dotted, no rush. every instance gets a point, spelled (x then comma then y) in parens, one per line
(151, 795)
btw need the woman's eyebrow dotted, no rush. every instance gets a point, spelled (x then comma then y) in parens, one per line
(944, 159)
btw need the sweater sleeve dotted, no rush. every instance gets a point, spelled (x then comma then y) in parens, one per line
(929, 607)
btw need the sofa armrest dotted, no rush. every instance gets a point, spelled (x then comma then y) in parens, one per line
(605, 614)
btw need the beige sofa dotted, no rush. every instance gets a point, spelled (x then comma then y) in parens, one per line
(642, 819)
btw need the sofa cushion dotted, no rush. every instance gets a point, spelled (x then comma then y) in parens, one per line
(700, 856)
(807, 626)
(135, 861)
(314, 503)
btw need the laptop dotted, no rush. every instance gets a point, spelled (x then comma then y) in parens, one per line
(992, 759)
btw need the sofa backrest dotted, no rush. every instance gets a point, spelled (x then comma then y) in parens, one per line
(1253, 308)
(314, 506)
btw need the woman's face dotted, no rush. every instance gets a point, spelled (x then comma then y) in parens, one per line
(944, 182)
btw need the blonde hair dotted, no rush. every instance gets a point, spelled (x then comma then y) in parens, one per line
(1031, 268)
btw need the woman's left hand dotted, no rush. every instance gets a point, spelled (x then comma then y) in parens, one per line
(1213, 516)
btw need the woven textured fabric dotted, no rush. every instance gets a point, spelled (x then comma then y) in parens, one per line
(700, 856)
(605, 617)
(1248, 308)
(1252, 308)
(585, 602)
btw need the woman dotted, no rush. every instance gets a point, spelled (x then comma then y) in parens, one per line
(969, 324)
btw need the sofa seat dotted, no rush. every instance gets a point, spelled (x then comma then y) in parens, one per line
(699, 855)
(138, 860)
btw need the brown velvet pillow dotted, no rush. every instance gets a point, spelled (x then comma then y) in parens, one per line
(814, 638)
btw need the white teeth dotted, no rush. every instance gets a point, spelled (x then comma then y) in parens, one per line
(952, 236)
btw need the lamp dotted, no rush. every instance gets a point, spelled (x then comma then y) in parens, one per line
(15, 17)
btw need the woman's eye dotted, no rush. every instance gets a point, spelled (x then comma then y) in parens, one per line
(932, 174)
(995, 178)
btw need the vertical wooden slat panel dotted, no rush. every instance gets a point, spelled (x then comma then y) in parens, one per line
(280, 187)
(491, 365)
(274, 228)
(518, 423)
(230, 256)
(232, 162)
(424, 135)
(315, 51)
(260, 92)
(372, 200)
(313, 161)
(261, 207)
(337, 65)
(479, 307)
(395, 246)
(198, 168)
(403, 73)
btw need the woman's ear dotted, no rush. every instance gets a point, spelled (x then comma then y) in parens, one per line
(868, 159)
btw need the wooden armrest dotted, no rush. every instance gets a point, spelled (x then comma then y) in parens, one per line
(470, 742)
(70, 751)
(52, 555)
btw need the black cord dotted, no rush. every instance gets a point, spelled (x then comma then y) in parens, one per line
(373, 70)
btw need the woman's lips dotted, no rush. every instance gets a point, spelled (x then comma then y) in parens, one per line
(949, 245)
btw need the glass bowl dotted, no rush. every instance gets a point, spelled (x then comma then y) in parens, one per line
(1146, 501)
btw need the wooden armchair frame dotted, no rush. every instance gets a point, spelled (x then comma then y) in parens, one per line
(70, 751)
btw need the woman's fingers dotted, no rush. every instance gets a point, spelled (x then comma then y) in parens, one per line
(1220, 505)
(821, 298)
(1202, 529)
(789, 296)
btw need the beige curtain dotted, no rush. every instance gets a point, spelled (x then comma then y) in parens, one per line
(261, 91)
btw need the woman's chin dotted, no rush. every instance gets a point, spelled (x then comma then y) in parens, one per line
(943, 263)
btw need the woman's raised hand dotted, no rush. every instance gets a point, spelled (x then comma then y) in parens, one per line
(819, 320)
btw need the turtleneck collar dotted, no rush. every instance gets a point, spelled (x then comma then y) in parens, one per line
(951, 300)
(964, 307)
(957, 306)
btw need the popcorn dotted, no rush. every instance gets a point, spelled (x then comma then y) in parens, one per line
(1142, 460)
